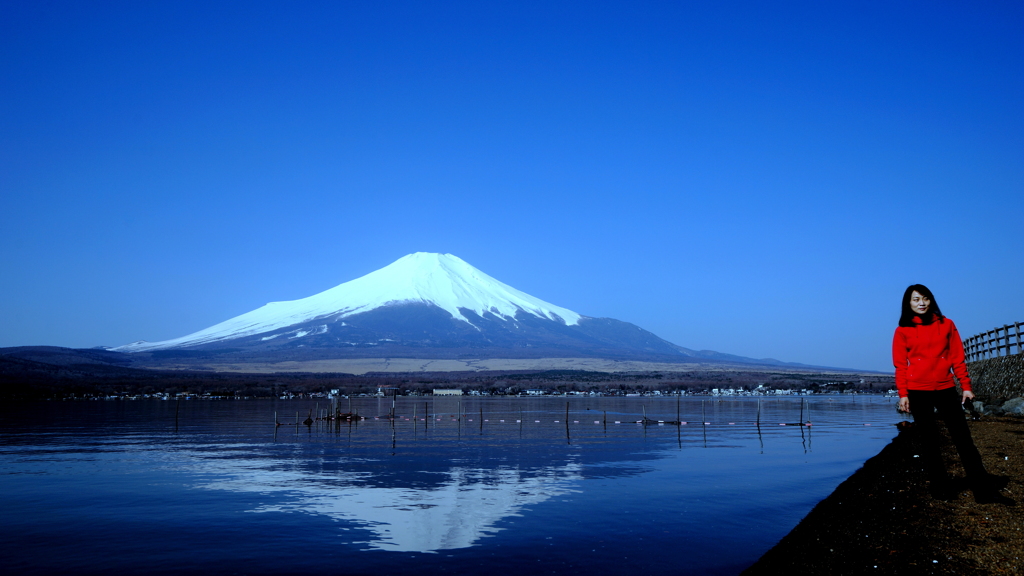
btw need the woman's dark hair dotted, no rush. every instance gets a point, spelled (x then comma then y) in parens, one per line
(907, 314)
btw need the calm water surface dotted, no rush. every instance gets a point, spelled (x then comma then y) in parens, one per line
(116, 487)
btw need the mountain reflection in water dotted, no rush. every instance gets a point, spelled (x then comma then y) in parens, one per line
(461, 509)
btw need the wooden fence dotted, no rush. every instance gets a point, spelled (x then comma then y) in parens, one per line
(997, 342)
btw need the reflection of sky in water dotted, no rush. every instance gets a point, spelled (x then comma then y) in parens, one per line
(455, 512)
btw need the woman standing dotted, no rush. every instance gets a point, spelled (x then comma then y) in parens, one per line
(927, 352)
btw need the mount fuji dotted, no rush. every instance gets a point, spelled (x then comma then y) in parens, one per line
(423, 305)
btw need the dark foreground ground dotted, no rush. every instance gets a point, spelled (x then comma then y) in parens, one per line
(882, 519)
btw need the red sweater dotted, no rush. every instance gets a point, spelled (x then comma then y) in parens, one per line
(927, 355)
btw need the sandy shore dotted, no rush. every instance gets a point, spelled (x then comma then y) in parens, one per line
(882, 519)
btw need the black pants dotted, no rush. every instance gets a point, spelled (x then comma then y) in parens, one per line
(926, 405)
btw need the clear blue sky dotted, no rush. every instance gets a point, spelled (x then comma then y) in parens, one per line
(755, 178)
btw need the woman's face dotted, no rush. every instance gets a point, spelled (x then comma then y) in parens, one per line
(918, 303)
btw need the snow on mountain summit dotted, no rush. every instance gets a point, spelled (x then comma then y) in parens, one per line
(446, 281)
(443, 280)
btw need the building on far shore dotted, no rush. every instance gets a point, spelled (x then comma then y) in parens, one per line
(447, 392)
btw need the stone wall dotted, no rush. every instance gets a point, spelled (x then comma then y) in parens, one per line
(998, 379)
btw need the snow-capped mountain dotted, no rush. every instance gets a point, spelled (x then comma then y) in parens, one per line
(440, 280)
(423, 305)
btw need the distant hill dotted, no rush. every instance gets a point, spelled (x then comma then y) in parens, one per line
(38, 372)
(44, 372)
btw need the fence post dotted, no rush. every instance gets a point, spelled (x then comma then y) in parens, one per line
(1018, 330)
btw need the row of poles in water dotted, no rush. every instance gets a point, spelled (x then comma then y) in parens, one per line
(334, 414)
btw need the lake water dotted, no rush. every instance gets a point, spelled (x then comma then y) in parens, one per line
(117, 487)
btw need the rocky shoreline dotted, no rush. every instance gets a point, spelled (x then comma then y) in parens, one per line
(883, 520)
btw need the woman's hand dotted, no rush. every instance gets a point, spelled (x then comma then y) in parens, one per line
(904, 405)
(968, 395)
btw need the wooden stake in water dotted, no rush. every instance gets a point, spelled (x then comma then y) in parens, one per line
(567, 439)
(759, 412)
(703, 424)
